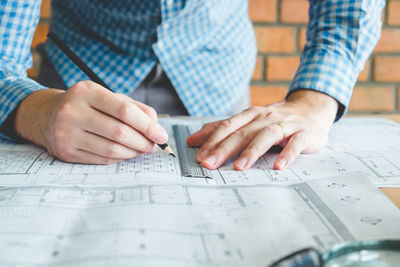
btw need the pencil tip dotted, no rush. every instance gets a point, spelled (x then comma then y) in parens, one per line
(172, 154)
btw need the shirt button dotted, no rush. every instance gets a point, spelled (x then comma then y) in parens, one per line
(170, 3)
(160, 44)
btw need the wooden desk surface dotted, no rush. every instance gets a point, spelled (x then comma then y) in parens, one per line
(393, 194)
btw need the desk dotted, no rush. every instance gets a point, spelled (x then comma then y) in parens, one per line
(392, 193)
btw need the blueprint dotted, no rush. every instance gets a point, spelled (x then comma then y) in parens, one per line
(187, 224)
(371, 146)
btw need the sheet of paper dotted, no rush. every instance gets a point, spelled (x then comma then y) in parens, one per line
(187, 225)
(371, 146)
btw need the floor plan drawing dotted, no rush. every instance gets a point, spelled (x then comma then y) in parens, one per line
(187, 225)
(347, 151)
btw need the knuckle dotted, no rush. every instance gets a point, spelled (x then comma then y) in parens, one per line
(150, 130)
(254, 149)
(151, 112)
(240, 134)
(123, 110)
(79, 87)
(273, 130)
(220, 153)
(112, 151)
(226, 123)
(119, 133)
(268, 116)
(211, 126)
(65, 112)
(207, 146)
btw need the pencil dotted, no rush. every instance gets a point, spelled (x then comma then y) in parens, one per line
(83, 67)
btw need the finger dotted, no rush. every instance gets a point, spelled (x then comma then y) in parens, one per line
(86, 157)
(199, 137)
(127, 112)
(100, 124)
(291, 151)
(301, 142)
(104, 147)
(265, 139)
(224, 129)
(147, 109)
(230, 147)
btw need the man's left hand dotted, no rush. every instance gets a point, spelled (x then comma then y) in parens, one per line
(300, 124)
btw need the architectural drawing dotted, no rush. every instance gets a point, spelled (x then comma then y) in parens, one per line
(356, 145)
(186, 225)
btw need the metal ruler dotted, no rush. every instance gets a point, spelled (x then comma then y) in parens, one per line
(187, 155)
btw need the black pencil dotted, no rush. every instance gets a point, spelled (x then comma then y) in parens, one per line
(83, 67)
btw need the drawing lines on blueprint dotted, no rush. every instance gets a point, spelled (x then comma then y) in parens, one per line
(17, 162)
(27, 165)
(381, 165)
(206, 224)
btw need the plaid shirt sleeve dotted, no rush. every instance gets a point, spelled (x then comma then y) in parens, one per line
(18, 20)
(341, 35)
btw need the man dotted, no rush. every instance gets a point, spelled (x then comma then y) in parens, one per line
(191, 57)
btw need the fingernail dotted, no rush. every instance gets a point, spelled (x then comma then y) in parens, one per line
(162, 136)
(281, 163)
(210, 160)
(202, 154)
(241, 162)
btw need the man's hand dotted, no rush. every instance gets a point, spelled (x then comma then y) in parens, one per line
(88, 124)
(300, 124)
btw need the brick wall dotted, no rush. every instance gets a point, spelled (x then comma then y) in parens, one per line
(280, 30)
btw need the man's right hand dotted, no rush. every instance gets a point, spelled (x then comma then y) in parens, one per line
(88, 124)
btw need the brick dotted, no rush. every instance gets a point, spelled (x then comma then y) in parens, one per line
(302, 38)
(294, 11)
(275, 39)
(45, 10)
(364, 74)
(40, 34)
(393, 8)
(262, 95)
(257, 74)
(389, 41)
(387, 68)
(372, 98)
(398, 98)
(281, 68)
(263, 10)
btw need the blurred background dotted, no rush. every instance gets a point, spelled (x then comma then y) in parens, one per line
(280, 30)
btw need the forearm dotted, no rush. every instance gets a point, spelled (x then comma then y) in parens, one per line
(340, 37)
(13, 90)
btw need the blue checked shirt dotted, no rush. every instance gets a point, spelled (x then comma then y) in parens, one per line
(206, 47)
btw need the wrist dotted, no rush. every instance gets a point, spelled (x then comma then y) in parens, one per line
(32, 114)
(315, 103)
